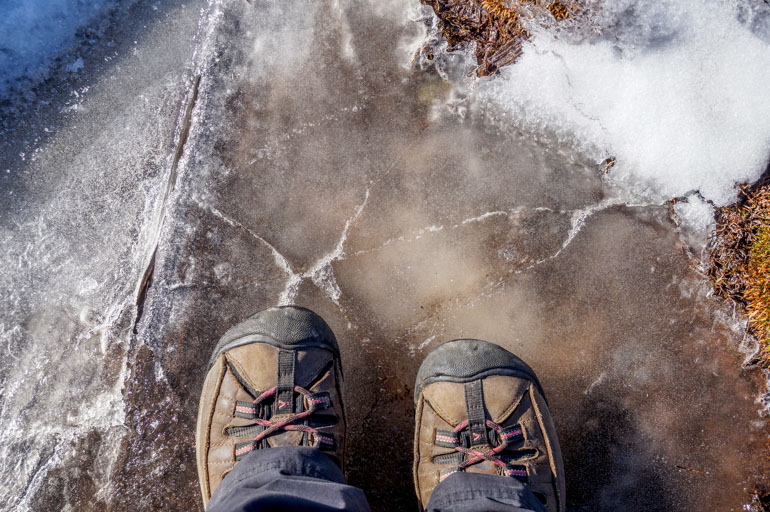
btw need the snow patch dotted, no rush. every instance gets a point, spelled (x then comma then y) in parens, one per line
(696, 213)
(675, 91)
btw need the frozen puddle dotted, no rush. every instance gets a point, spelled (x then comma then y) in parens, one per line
(321, 169)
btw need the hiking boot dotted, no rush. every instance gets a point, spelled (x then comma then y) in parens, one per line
(275, 379)
(480, 409)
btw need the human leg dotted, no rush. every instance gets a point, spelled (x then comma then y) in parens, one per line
(288, 478)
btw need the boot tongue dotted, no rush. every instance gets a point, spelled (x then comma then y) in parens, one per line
(300, 368)
(287, 437)
(477, 415)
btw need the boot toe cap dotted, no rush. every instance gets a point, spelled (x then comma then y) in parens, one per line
(464, 360)
(289, 327)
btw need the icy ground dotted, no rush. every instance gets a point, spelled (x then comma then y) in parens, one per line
(209, 161)
(33, 34)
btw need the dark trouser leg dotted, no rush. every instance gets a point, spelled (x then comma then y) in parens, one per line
(474, 492)
(286, 479)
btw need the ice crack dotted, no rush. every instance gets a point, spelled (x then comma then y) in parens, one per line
(417, 234)
(578, 222)
(320, 273)
(294, 280)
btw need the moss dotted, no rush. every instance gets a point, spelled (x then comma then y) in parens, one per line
(739, 264)
(757, 294)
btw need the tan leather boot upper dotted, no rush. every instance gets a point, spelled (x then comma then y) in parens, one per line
(279, 368)
(480, 409)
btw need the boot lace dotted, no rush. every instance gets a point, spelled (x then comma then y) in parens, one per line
(262, 428)
(499, 438)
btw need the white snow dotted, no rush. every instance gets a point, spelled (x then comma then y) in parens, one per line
(32, 33)
(696, 220)
(676, 90)
(696, 213)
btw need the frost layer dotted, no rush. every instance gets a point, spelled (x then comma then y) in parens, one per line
(33, 33)
(676, 91)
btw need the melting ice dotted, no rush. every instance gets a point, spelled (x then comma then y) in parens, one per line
(675, 91)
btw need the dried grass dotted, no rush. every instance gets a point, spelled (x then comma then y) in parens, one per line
(739, 262)
(495, 26)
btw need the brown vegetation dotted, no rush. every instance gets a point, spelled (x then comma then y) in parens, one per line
(494, 25)
(739, 264)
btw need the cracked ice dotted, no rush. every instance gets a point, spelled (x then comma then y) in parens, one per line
(320, 272)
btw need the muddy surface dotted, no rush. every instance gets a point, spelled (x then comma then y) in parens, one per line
(320, 168)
